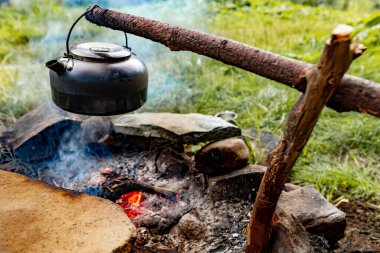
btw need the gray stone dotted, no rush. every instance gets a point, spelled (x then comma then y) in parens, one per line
(238, 185)
(291, 187)
(222, 156)
(35, 136)
(170, 163)
(190, 227)
(289, 236)
(317, 215)
(190, 128)
(95, 129)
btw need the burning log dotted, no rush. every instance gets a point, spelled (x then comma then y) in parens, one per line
(148, 206)
(113, 189)
(322, 79)
(353, 93)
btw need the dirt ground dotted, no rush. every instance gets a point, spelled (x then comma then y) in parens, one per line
(363, 228)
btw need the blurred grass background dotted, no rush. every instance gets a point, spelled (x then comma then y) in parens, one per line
(342, 157)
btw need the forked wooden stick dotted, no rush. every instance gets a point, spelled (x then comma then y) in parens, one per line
(322, 80)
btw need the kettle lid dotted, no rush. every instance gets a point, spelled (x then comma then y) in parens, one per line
(100, 52)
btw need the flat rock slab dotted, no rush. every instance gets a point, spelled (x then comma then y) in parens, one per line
(317, 215)
(238, 185)
(190, 128)
(35, 217)
(35, 135)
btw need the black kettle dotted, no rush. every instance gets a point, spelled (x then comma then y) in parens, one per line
(97, 78)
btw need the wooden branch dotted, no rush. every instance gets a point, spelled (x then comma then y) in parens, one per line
(354, 94)
(115, 188)
(322, 80)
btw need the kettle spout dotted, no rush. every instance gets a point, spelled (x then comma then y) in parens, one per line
(57, 66)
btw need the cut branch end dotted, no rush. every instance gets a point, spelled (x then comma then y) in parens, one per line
(342, 32)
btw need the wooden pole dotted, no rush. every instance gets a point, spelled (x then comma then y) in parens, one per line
(353, 94)
(322, 80)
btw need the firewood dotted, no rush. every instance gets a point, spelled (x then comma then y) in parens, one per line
(113, 189)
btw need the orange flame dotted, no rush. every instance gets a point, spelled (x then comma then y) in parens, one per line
(134, 198)
(130, 202)
(107, 170)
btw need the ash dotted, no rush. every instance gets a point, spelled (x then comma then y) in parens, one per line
(192, 223)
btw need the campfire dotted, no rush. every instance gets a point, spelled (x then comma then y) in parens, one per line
(185, 189)
(131, 202)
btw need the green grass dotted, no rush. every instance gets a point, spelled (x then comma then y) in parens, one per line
(20, 23)
(350, 175)
(342, 156)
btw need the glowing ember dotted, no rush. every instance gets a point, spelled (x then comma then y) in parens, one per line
(107, 170)
(131, 202)
(134, 198)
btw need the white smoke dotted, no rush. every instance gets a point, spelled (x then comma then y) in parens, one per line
(72, 167)
(31, 85)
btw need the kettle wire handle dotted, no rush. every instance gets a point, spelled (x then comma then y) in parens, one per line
(76, 21)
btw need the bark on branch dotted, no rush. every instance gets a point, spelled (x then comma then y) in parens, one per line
(322, 80)
(354, 94)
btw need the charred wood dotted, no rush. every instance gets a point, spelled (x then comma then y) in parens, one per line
(113, 189)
